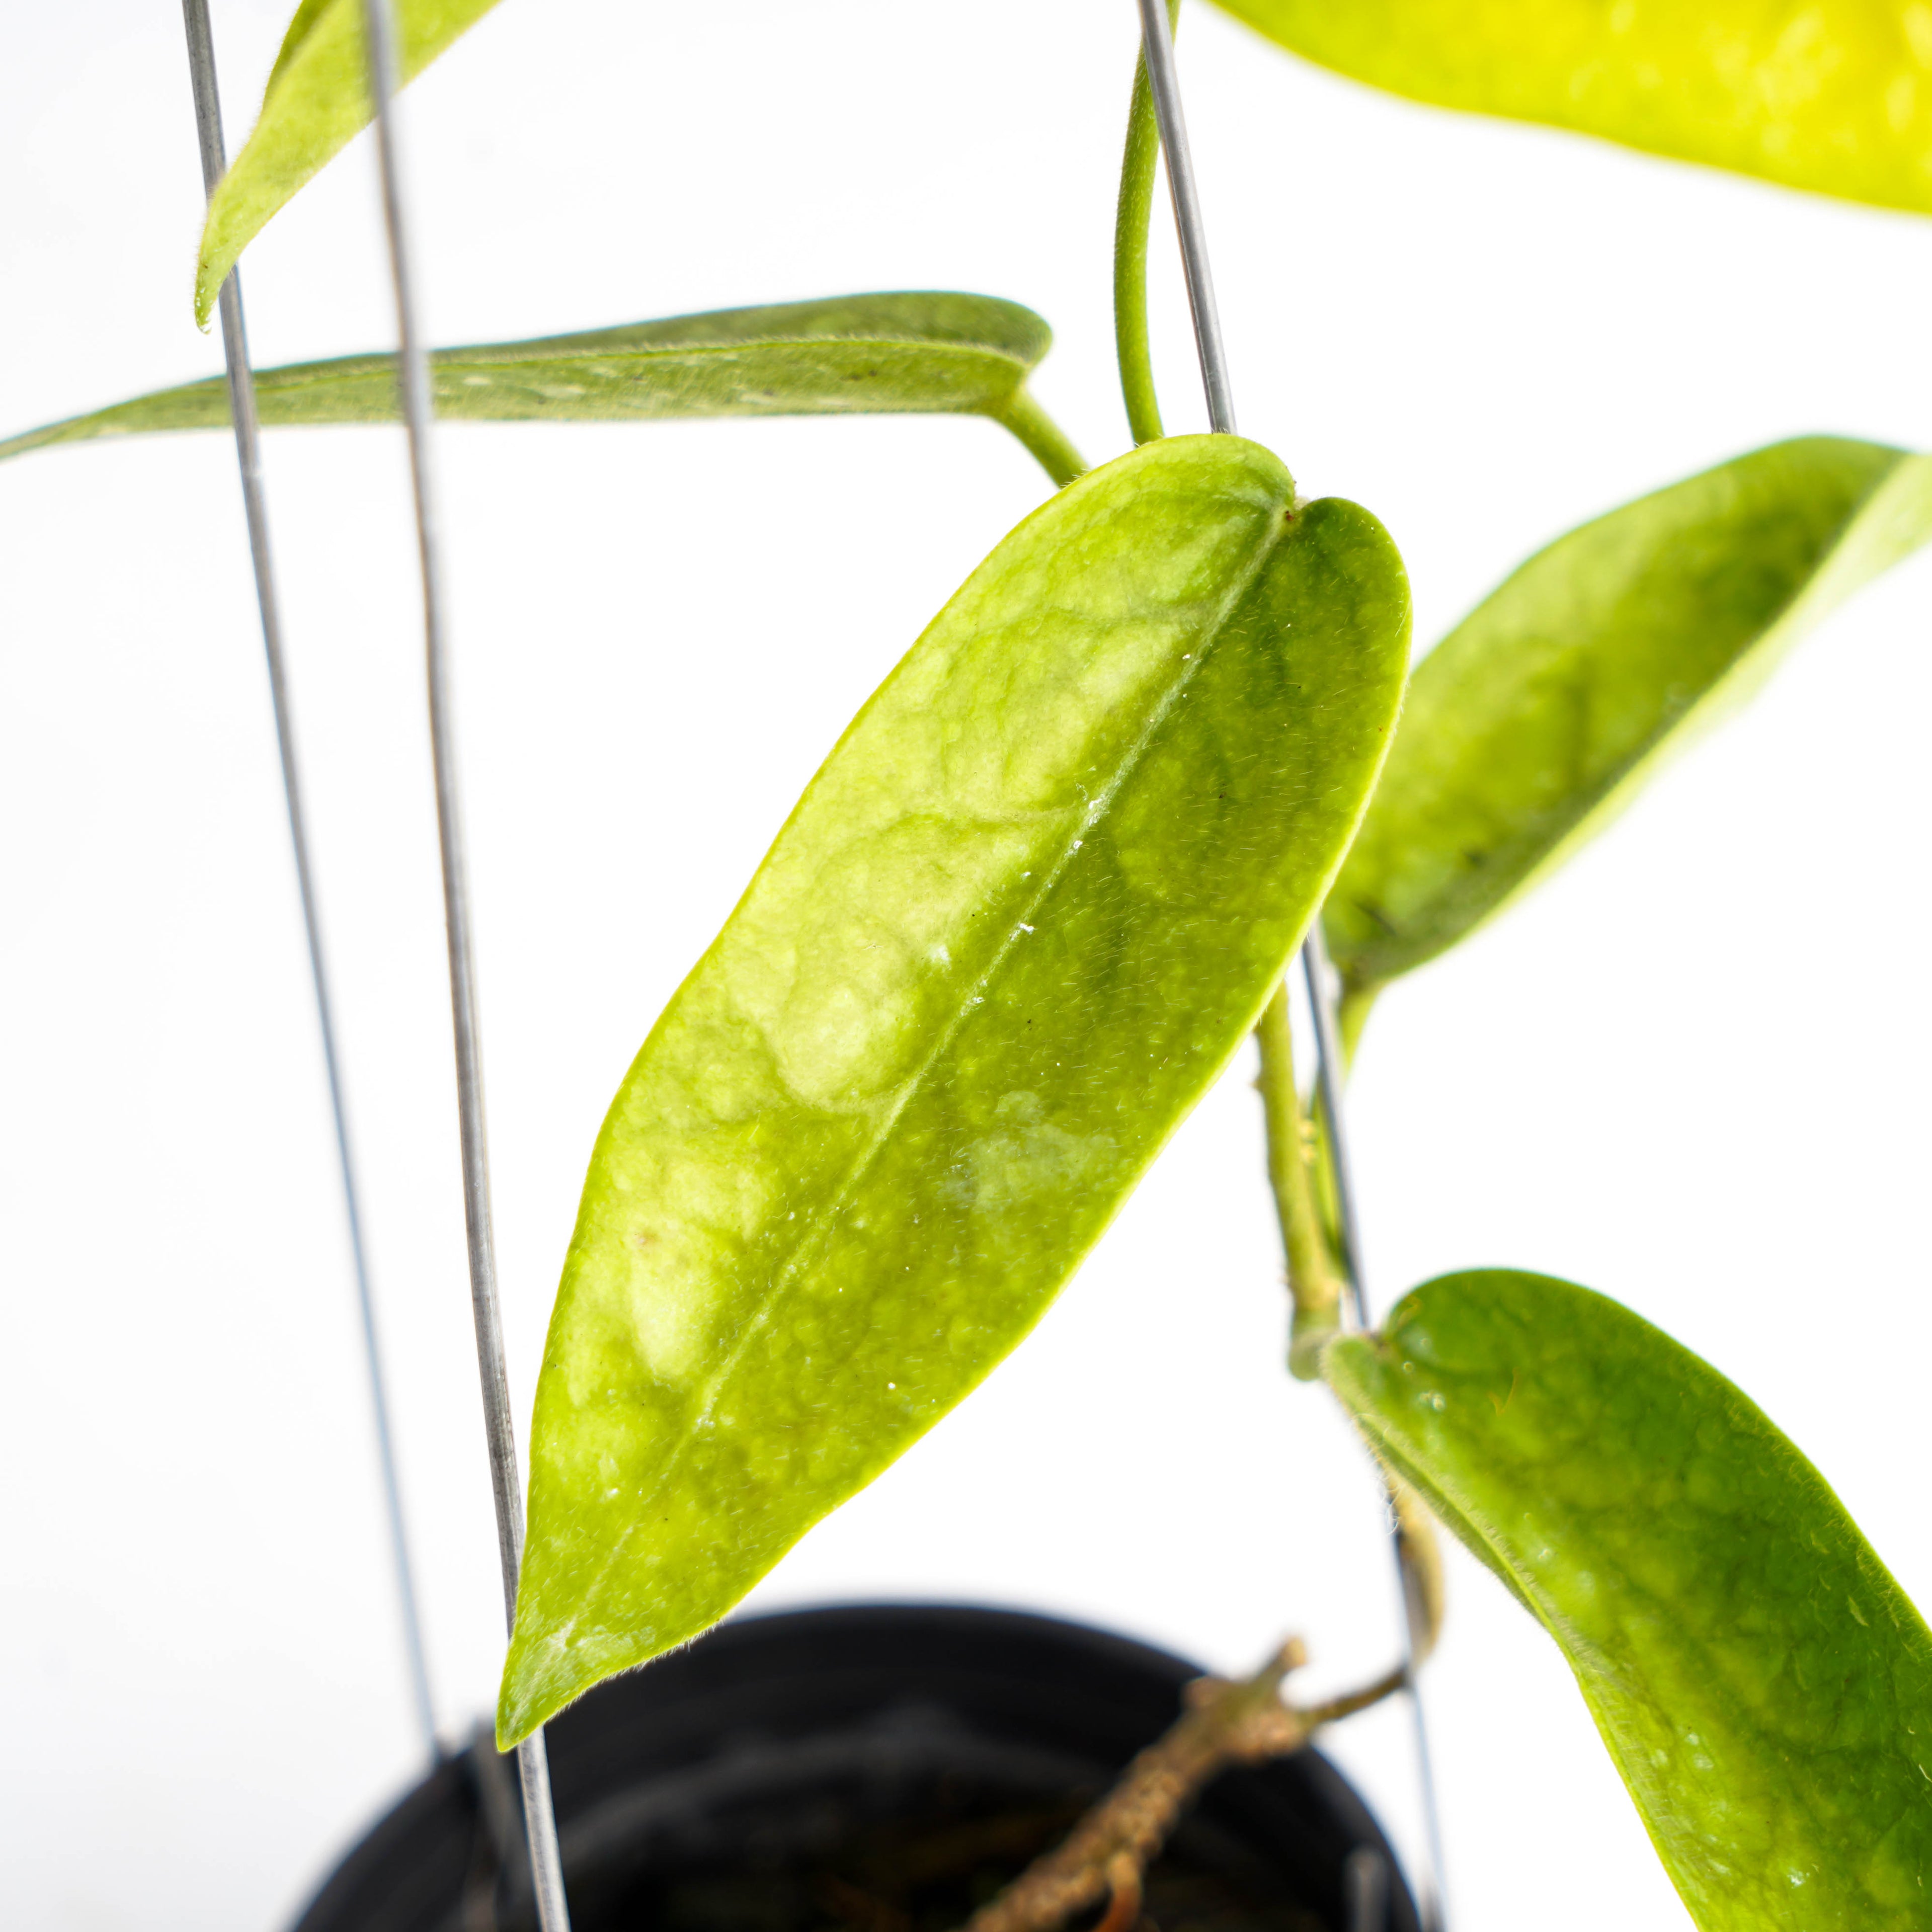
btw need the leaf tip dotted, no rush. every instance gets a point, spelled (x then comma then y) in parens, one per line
(525, 1700)
(209, 274)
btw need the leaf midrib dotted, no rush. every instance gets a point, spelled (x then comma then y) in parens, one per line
(810, 1241)
(300, 377)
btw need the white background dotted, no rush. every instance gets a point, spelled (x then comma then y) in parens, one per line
(1689, 1072)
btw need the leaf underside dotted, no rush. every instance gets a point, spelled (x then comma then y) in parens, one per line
(1019, 920)
(1762, 1684)
(1834, 97)
(1541, 714)
(917, 351)
(317, 99)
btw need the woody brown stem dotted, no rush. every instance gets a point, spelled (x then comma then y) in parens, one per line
(1105, 1857)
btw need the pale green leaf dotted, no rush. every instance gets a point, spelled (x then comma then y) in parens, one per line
(922, 351)
(1540, 715)
(317, 99)
(1832, 95)
(1020, 919)
(1762, 1684)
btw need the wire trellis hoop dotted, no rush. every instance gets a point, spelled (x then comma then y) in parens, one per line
(248, 455)
(1163, 75)
(413, 383)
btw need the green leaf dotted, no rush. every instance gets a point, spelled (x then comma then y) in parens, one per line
(1541, 713)
(922, 351)
(1019, 921)
(1764, 1685)
(1835, 96)
(317, 101)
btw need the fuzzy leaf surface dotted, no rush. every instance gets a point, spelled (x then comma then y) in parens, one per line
(923, 351)
(316, 101)
(1763, 1683)
(1832, 95)
(1544, 710)
(1017, 922)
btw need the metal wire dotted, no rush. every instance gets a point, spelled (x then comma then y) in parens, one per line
(1157, 38)
(1157, 42)
(532, 1761)
(248, 453)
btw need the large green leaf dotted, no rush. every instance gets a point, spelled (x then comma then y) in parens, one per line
(317, 99)
(1020, 919)
(1542, 711)
(923, 351)
(1764, 1685)
(1832, 95)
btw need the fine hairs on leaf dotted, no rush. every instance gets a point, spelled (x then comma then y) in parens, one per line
(923, 352)
(1019, 920)
(1763, 1684)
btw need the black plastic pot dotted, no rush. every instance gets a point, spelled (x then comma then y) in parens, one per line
(884, 1768)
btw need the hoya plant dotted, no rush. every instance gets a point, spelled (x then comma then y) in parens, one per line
(1054, 874)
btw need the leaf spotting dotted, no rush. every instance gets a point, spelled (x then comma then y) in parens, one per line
(1020, 919)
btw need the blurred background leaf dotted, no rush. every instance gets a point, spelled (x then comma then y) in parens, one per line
(1834, 96)
(316, 100)
(1540, 716)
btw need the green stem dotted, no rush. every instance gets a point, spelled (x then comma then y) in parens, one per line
(1042, 435)
(1313, 1279)
(1130, 247)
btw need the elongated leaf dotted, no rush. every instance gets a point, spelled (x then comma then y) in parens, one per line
(923, 351)
(317, 99)
(1834, 96)
(1019, 920)
(1764, 1685)
(1540, 715)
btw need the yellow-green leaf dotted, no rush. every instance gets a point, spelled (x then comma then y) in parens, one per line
(922, 351)
(1832, 95)
(1762, 1684)
(1541, 713)
(317, 99)
(1022, 917)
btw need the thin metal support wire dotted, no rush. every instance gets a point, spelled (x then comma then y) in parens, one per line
(1157, 42)
(248, 453)
(1157, 38)
(533, 1760)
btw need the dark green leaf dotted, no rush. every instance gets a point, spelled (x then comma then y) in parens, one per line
(1835, 95)
(923, 351)
(1764, 1685)
(1539, 716)
(1020, 919)
(317, 99)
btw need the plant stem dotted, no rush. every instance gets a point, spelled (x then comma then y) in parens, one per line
(1042, 436)
(1419, 1557)
(1107, 1852)
(1131, 221)
(1313, 1279)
